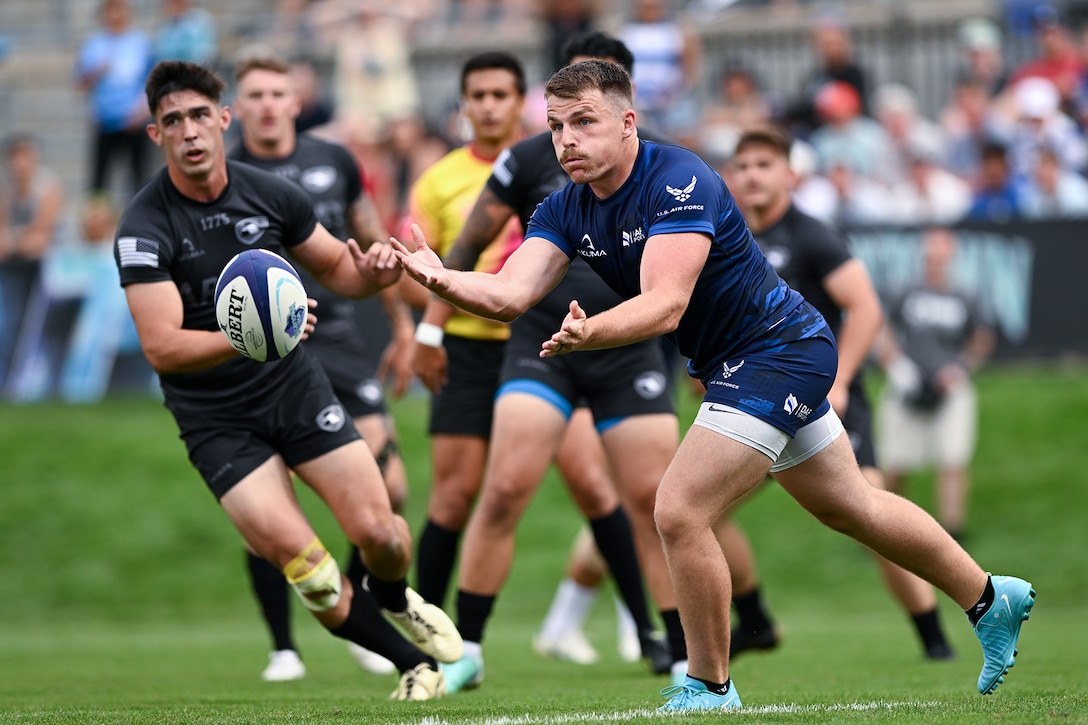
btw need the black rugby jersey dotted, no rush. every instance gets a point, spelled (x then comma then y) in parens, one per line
(164, 235)
(331, 178)
(804, 250)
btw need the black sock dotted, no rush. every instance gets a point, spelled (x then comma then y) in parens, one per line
(366, 627)
(674, 632)
(390, 595)
(271, 590)
(612, 533)
(929, 627)
(473, 611)
(751, 614)
(974, 614)
(356, 570)
(434, 562)
(718, 688)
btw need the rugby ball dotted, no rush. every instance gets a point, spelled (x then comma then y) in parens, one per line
(260, 305)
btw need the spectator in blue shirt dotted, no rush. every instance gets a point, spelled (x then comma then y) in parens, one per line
(111, 68)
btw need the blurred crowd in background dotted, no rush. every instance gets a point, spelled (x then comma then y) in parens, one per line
(1008, 142)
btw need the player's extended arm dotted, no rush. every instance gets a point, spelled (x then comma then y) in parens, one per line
(345, 268)
(670, 267)
(484, 223)
(158, 313)
(529, 273)
(367, 229)
(850, 288)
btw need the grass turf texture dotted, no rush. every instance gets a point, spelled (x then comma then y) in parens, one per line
(124, 597)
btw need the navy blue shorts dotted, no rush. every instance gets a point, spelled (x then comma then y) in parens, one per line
(785, 387)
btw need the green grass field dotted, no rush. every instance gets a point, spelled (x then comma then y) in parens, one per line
(123, 597)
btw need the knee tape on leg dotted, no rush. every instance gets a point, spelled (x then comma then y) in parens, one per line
(386, 454)
(318, 585)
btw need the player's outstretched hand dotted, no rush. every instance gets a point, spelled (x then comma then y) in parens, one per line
(422, 265)
(571, 333)
(378, 263)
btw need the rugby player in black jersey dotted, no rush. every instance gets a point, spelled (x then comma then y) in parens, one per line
(266, 105)
(247, 425)
(815, 260)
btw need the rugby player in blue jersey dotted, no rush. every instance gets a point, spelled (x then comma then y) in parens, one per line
(659, 226)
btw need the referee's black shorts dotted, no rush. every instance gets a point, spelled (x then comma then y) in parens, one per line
(465, 403)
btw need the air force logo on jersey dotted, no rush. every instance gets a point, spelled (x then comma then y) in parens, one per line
(250, 229)
(684, 194)
(681, 195)
(318, 179)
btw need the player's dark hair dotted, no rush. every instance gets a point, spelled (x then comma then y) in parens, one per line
(603, 46)
(263, 60)
(20, 141)
(601, 75)
(774, 137)
(494, 60)
(171, 76)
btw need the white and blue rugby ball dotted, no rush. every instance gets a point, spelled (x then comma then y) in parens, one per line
(260, 305)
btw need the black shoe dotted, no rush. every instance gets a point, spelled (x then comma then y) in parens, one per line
(939, 651)
(655, 650)
(743, 640)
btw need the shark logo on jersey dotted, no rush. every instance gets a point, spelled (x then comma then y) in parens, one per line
(250, 229)
(592, 251)
(331, 418)
(778, 257)
(318, 179)
(684, 194)
(650, 385)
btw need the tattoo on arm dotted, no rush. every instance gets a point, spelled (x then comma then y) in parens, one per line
(485, 222)
(365, 224)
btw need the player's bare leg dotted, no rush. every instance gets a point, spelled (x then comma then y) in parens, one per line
(830, 487)
(709, 474)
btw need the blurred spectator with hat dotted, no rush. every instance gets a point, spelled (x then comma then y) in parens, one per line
(1039, 121)
(1057, 58)
(847, 136)
(981, 60)
(832, 44)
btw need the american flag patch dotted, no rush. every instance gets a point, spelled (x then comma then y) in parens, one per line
(137, 252)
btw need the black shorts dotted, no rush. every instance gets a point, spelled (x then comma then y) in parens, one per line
(465, 404)
(354, 379)
(614, 384)
(858, 423)
(300, 419)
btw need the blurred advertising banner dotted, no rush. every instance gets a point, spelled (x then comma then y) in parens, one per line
(1026, 274)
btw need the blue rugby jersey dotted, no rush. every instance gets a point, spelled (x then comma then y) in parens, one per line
(739, 302)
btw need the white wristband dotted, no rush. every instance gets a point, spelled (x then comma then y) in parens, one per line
(429, 335)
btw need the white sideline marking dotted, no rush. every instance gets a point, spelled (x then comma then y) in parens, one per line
(642, 714)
